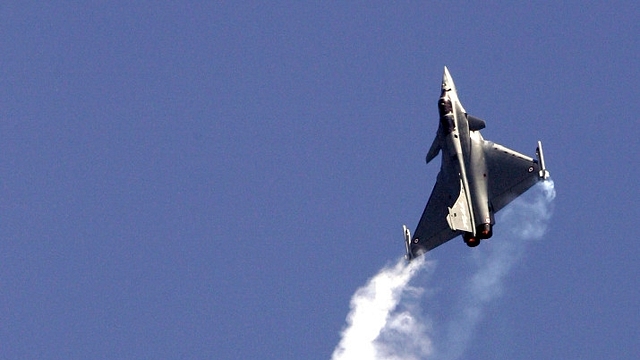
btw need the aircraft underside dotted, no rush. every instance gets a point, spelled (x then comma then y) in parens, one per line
(477, 178)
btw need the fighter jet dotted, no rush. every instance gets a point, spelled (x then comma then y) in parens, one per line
(477, 179)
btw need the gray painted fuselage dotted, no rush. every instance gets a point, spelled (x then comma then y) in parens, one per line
(477, 178)
(463, 154)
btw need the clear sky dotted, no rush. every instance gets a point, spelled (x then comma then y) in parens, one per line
(215, 180)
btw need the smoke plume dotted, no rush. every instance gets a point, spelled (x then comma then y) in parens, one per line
(525, 219)
(375, 328)
(386, 322)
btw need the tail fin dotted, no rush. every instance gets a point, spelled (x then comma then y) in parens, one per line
(460, 215)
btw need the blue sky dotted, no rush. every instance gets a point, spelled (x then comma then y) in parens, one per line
(215, 180)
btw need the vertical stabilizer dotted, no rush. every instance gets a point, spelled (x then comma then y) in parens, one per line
(460, 215)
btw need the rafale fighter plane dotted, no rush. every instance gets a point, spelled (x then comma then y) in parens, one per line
(477, 178)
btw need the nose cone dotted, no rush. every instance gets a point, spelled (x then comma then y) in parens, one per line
(447, 81)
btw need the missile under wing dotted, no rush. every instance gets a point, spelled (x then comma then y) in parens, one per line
(477, 178)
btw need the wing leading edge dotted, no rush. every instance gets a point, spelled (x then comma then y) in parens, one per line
(433, 228)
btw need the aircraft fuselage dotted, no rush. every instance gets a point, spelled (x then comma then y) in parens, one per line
(463, 147)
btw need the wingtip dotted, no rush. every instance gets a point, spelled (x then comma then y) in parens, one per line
(407, 242)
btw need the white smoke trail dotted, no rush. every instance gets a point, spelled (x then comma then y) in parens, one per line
(376, 328)
(385, 321)
(523, 220)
